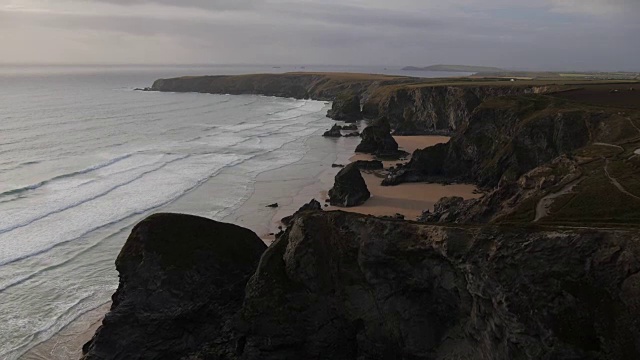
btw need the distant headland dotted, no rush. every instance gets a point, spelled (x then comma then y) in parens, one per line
(454, 68)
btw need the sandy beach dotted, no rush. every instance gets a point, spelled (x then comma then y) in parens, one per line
(313, 176)
(410, 200)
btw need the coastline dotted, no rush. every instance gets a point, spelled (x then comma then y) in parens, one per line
(312, 176)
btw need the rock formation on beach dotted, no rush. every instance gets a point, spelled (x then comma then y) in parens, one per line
(377, 140)
(346, 107)
(347, 286)
(349, 188)
(335, 131)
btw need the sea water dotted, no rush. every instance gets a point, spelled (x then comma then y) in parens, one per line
(83, 157)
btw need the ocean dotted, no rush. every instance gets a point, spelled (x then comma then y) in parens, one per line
(83, 157)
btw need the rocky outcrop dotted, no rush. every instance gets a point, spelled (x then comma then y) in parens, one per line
(413, 105)
(346, 107)
(313, 205)
(505, 138)
(343, 286)
(317, 86)
(182, 281)
(436, 109)
(377, 140)
(335, 131)
(350, 188)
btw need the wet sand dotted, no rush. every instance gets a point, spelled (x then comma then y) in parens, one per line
(67, 344)
(409, 200)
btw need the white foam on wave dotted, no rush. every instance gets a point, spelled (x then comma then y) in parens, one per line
(48, 226)
(73, 211)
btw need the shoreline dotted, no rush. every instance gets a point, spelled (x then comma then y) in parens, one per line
(409, 199)
(274, 186)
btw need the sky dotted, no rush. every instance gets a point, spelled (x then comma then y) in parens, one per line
(518, 34)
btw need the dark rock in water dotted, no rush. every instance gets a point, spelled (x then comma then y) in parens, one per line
(274, 205)
(353, 134)
(333, 132)
(182, 280)
(377, 139)
(350, 188)
(346, 107)
(369, 164)
(344, 286)
(350, 127)
(313, 205)
(337, 165)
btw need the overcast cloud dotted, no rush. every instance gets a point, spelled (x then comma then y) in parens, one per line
(534, 34)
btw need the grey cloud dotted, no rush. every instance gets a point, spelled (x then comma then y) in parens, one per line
(350, 32)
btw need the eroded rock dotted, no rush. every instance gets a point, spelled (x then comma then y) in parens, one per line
(182, 281)
(349, 188)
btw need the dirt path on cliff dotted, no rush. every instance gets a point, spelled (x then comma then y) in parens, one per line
(609, 145)
(544, 205)
(616, 183)
(634, 125)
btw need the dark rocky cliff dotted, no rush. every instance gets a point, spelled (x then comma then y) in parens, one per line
(441, 109)
(346, 286)
(317, 86)
(182, 281)
(507, 137)
(413, 105)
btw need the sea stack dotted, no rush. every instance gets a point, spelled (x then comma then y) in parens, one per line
(346, 107)
(350, 188)
(377, 139)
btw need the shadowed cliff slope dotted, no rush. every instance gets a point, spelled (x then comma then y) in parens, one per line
(182, 281)
(346, 286)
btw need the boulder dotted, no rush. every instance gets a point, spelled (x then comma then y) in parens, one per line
(346, 107)
(333, 132)
(377, 140)
(182, 280)
(350, 188)
(350, 127)
(313, 205)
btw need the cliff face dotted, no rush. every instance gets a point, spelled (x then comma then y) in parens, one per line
(412, 105)
(507, 137)
(315, 86)
(435, 109)
(182, 281)
(339, 286)
(346, 286)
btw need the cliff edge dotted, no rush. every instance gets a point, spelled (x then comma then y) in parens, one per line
(346, 286)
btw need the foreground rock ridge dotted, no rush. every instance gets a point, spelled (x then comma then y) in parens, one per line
(346, 286)
(182, 281)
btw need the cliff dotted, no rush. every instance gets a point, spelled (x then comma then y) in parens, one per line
(509, 136)
(346, 286)
(317, 86)
(413, 105)
(182, 281)
(436, 109)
